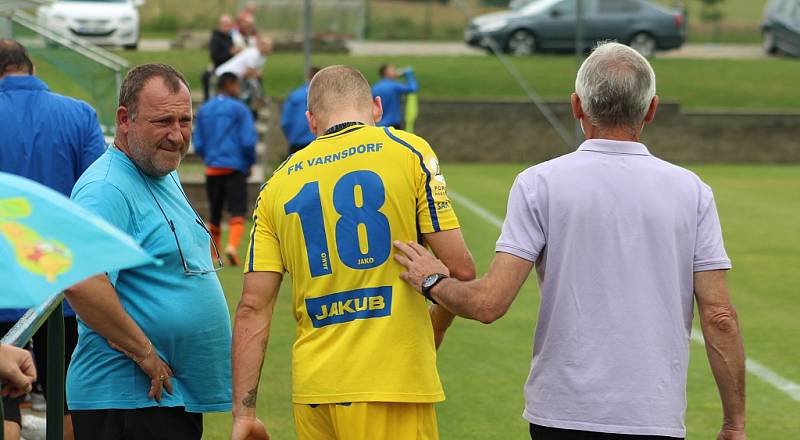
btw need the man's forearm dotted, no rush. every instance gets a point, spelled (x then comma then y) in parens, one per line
(726, 356)
(250, 337)
(465, 299)
(97, 304)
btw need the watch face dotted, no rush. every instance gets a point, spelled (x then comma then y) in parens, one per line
(429, 280)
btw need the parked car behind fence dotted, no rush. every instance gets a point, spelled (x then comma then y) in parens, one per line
(550, 25)
(104, 22)
(780, 31)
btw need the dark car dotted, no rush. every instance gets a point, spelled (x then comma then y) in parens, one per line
(549, 25)
(780, 31)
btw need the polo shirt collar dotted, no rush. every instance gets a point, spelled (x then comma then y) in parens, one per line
(22, 82)
(614, 147)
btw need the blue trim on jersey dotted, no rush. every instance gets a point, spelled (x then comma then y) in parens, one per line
(428, 193)
(252, 242)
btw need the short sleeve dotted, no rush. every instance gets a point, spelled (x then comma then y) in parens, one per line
(264, 252)
(434, 211)
(709, 249)
(523, 231)
(107, 202)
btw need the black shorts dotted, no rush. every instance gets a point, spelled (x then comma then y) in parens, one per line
(154, 423)
(40, 354)
(539, 432)
(11, 409)
(230, 189)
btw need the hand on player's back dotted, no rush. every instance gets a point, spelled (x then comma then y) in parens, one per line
(419, 262)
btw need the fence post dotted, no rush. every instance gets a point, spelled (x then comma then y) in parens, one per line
(55, 374)
(3, 419)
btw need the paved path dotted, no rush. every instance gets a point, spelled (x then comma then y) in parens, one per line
(456, 48)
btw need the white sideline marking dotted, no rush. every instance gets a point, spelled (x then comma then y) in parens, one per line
(476, 209)
(753, 367)
(758, 370)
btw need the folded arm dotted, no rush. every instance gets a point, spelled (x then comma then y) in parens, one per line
(97, 304)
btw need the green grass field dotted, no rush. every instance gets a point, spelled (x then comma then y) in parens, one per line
(484, 367)
(760, 85)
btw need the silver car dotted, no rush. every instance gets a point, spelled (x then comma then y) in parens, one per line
(780, 31)
(550, 25)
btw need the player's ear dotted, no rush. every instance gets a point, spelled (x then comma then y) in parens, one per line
(312, 122)
(377, 109)
(123, 119)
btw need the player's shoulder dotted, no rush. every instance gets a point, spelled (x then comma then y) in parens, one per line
(413, 143)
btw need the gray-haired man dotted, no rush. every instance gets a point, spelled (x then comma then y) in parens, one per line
(622, 243)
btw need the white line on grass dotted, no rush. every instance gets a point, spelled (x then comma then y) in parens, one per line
(760, 371)
(753, 367)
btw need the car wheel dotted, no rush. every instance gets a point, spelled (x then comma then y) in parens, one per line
(133, 46)
(643, 43)
(521, 43)
(768, 42)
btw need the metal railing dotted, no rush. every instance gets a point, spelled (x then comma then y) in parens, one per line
(51, 312)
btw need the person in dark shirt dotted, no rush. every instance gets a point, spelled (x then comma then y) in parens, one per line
(220, 48)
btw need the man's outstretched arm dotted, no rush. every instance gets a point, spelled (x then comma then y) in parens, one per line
(724, 348)
(250, 337)
(485, 299)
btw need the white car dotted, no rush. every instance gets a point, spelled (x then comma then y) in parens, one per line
(103, 22)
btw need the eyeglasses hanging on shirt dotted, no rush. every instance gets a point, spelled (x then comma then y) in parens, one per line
(186, 269)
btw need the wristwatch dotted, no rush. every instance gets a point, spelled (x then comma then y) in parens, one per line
(428, 282)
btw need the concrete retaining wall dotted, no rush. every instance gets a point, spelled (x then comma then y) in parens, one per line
(516, 131)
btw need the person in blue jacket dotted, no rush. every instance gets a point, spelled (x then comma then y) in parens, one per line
(225, 137)
(390, 91)
(51, 139)
(293, 117)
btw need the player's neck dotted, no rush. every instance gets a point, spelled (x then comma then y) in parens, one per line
(345, 118)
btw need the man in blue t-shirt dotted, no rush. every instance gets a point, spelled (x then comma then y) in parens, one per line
(50, 139)
(390, 90)
(153, 349)
(293, 117)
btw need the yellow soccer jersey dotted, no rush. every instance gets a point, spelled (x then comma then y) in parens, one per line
(328, 217)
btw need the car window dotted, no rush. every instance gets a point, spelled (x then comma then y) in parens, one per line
(786, 8)
(618, 6)
(567, 7)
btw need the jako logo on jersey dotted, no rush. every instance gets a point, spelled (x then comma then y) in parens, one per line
(337, 308)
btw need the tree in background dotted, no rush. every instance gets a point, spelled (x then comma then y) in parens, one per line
(711, 12)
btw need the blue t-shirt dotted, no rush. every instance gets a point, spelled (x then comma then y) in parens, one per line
(225, 134)
(293, 118)
(390, 92)
(185, 316)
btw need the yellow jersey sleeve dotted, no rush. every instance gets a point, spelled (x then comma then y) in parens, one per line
(264, 252)
(434, 211)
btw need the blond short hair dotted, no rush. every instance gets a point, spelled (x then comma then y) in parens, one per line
(337, 88)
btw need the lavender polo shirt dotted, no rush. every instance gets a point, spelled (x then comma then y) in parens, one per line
(616, 235)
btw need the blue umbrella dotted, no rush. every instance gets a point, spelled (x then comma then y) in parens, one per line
(48, 243)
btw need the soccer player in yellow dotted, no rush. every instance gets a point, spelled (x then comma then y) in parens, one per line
(364, 357)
